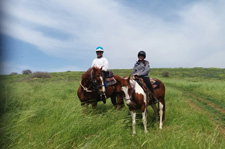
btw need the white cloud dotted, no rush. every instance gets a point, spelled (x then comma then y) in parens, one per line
(195, 38)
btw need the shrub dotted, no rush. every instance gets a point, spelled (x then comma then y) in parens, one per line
(41, 75)
(13, 73)
(26, 72)
(165, 74)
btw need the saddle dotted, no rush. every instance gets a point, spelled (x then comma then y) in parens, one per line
(109, 79)
(155, 83)
(141, 82)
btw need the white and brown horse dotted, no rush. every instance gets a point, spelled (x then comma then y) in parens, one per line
(137, 99)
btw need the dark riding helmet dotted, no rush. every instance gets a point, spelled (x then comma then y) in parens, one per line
(142, 53)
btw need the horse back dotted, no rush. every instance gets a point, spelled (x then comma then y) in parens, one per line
(160, 90)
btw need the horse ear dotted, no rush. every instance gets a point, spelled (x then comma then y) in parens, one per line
(128, 79)
(94, 69)
(101, 68)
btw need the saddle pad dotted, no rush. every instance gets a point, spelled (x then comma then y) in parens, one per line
(110, 81)
(154, 83)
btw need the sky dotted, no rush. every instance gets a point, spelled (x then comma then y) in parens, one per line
(62, 35)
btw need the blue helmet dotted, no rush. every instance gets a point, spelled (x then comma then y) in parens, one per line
(99, 49)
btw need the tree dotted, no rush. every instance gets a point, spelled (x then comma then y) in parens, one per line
(27, 71)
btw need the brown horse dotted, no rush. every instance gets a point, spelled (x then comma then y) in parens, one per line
(92, 89)
(137, 99)
(115, 93)
(91, 86)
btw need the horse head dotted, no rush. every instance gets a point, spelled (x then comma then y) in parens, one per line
(97, 79)
(127, 89)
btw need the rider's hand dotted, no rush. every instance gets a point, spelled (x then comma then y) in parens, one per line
(135, 76)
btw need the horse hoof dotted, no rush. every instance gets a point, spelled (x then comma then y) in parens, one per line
(134, 133)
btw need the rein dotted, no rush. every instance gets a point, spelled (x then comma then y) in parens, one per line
(96, 86)
(94, 83)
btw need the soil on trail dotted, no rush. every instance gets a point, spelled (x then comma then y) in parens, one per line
(216, 122)
(208, 102)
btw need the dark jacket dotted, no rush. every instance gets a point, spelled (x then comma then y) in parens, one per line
(142, 69)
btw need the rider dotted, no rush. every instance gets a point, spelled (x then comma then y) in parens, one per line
(141, 70)
(101, 62)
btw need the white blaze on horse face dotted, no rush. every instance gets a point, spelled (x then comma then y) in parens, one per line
(103, 86)
(126, 93)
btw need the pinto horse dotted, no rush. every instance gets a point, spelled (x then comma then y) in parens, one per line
(137, 99)
(92, 89)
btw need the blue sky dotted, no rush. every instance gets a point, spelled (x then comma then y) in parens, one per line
(61, 35)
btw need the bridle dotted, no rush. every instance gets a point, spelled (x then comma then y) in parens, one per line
(94, 84)
(130, 92)
(132, 89)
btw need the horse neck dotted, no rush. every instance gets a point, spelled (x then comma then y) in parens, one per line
(117, 78)
(86, 76)
(136, 86)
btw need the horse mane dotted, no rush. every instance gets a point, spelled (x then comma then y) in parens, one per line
(118, 78)
(86, 75)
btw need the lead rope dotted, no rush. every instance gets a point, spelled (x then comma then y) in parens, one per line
(85, 88)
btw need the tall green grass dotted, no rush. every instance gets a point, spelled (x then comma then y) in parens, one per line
(46, 113)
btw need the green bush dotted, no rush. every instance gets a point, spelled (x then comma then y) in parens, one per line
(27, 71)
(165, 74)
(41, 75)
(13, 73)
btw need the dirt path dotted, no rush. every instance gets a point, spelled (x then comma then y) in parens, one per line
(216, 122)
(208, 102)
(202, 100)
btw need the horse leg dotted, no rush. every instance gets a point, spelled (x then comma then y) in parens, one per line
(164, 110)
(120, 103)
(113, 99)
(144, 118)
(161, 113)
(155, 111)
(94, 105)
(133, 114)
(85, 106)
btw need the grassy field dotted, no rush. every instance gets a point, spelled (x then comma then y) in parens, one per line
(46, 113)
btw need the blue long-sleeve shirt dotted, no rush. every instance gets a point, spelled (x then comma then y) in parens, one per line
(142, 69)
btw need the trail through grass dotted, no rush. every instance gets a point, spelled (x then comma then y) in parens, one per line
(46, 113)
